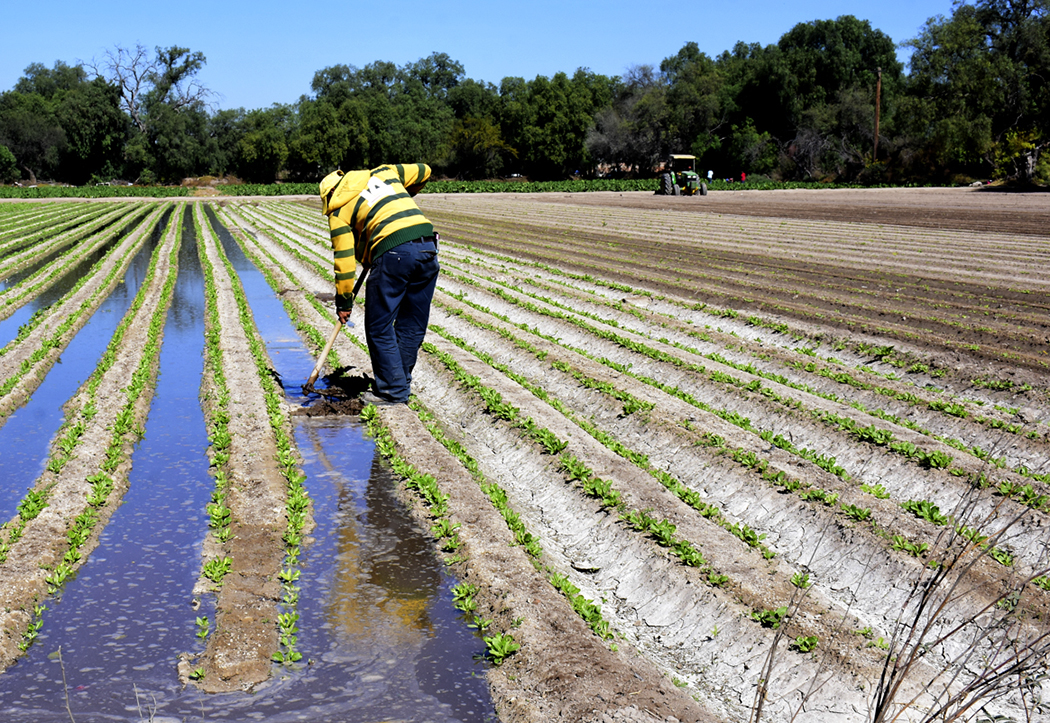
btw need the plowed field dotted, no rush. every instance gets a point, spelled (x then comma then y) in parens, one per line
(743, 457)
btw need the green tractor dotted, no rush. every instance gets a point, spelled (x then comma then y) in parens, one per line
(680, 178)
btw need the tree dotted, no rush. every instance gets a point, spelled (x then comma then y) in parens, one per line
(262, 150)
(630, 133)
(548, 120)
(168, 107)
(8, 166)
(980, 88)
(96, 129)
(30, 130)
(477, 148)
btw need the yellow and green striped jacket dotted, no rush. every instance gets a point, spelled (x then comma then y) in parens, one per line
(369, 213)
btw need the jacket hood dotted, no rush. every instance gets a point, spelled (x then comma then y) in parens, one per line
(338, 189)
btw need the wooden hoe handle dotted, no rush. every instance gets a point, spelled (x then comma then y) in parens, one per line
(324, 355)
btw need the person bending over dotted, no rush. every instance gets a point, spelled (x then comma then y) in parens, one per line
(375, 224)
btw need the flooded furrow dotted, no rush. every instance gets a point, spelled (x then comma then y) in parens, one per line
(121, 623)
(26, 434)
(61, 286)
(46, 248)
(376, 616)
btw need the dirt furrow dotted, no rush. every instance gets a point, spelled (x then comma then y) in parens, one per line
(676, 436)
(526, 691)
(662, 607)
(1028, 450)
(845, 305)
(889, 248)
(238, 653)
(910, 321)
(839, 552)
(866, 464)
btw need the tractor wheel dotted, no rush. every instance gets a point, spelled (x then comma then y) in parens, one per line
(666, 185)
(677, 190)
(703, 189)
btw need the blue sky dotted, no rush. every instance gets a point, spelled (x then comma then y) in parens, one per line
(264, 52)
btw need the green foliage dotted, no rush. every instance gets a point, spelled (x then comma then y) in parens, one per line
(798, 110)
(216, 569)
(499, 646)
(806, 644)
(8, 166)
(926, 510)
(770, 618)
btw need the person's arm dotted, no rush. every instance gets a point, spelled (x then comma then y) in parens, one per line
(413, 177)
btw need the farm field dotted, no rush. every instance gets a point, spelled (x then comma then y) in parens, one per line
(758, 455)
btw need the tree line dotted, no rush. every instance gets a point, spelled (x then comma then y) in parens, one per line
(828, 102)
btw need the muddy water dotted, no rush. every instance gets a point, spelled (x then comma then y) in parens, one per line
(26, 434)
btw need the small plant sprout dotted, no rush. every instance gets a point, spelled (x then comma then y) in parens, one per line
(203, 626)
(800, 580)
(770, 618)
(500, 646)
(216, 569)
(805, 644)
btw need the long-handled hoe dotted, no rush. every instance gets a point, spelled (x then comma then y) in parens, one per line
(308, 388)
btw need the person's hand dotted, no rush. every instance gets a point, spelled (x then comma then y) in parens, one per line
(344, 316)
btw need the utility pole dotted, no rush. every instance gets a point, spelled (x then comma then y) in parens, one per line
(878, 98)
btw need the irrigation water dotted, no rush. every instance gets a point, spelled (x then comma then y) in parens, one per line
(119, 623)
(27, 433)
(68, 279)
(379, 636)
(47, 252)
(376, 614)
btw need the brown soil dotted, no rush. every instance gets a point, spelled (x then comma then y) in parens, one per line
(992, 209)
(330, 407)
(238, 654)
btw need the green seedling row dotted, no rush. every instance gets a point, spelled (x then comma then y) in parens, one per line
(869, 433)
(72, 428)
(49, 240)
(57, 339)
(126, 427)
(43, 278)
(746, 459)
(522, 537)
(885, 353)
(297, 498)
(935, 459)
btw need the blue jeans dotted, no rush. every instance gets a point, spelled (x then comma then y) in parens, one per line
(401, 285)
